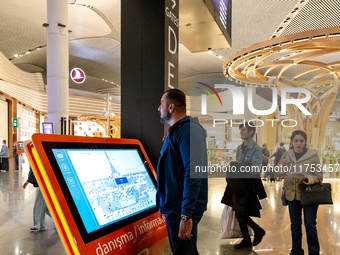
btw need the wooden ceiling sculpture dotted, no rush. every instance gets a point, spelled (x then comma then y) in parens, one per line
(293, 61)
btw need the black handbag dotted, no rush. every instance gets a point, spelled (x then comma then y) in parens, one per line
(316, 194)
(283, 197)
(186, 247)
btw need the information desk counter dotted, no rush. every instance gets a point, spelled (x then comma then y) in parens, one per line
(101, 193)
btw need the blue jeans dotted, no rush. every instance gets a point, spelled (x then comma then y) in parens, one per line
(172, 226)
(309, 213)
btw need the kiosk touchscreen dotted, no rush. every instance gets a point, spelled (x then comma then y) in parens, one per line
(101, 193)
(20, 147)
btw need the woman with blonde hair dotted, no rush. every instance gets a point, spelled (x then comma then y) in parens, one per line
(302, 157)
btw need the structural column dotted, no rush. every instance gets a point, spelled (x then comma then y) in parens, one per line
(37, 119)
(149, 66)
(57, 62)
(12, 132)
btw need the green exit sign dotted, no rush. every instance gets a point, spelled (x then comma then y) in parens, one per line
(15, 122)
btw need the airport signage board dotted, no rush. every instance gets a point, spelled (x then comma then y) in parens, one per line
(171, 44)
(78, 75)
(15, 122)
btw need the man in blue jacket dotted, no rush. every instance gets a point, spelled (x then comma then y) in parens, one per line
(182, 193)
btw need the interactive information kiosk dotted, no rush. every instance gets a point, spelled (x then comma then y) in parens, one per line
(101, 193)
(20, 147)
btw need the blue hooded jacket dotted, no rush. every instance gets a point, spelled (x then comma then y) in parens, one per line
(183, 150)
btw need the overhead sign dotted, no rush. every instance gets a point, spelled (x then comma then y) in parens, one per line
(77, 75)
(47, 127)
(223, 9)
(171, 44)
(15, 122)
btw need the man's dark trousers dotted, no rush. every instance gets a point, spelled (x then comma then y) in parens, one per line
(172, 226)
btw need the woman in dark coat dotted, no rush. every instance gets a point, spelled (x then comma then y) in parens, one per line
(243, 192)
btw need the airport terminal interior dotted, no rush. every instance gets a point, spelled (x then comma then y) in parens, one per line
(17, 210)
(277, 52)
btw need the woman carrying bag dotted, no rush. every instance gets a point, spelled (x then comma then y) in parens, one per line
(301, 157)
(243, 194)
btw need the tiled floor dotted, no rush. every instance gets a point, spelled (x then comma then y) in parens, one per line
(16, 206)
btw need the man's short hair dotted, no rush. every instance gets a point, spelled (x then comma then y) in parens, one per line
(282, 143)
(176, 97)
(4, 141)
(250, 126)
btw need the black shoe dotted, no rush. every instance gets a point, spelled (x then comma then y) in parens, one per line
(245, 243)
(258, 235)
(37, 230)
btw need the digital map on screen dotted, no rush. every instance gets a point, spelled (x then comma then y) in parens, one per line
(106, 185)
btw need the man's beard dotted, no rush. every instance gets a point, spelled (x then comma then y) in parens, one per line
(166, 118)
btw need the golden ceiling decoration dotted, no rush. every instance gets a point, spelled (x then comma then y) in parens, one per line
(309, 60)
(102, 120)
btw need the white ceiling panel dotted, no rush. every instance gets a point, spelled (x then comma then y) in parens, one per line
(315, 14)
(92, 26)
(95, 38)
(21, 25)
(110, 8)
(254, 21)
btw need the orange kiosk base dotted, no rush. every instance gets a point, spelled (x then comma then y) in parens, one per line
(100, 192)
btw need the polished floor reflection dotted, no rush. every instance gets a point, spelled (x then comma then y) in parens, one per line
(16, 209)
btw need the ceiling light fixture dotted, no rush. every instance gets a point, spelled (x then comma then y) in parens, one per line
(307, 45)
(295, 10)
